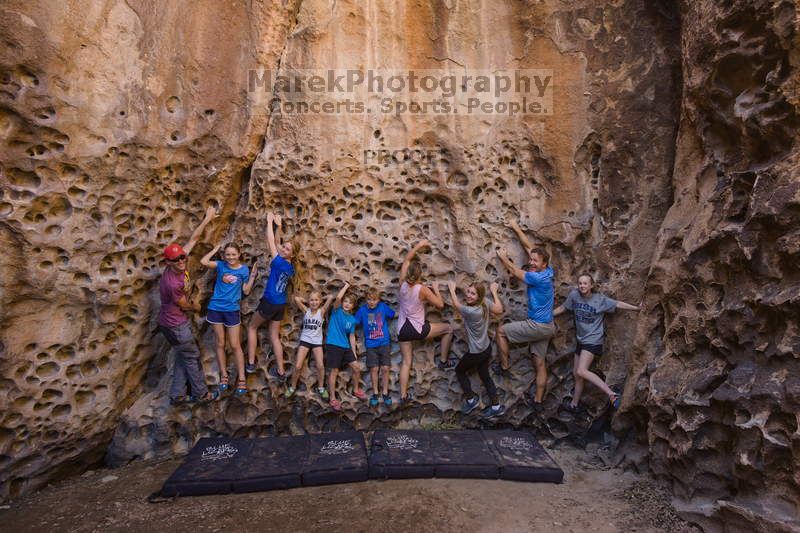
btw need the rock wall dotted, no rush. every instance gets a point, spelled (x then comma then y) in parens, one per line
(665, 169)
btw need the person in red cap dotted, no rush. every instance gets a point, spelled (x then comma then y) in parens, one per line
(174, 324)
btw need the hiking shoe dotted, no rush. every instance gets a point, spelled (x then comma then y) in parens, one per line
(571, 408)
(387, 400)
(373, 400)
(444, 365)
(323, 393)
(289, 392)
(470, 405)
(493, 411)
(336, 405)
(249, 368)
(499, 370)
(274, 373)
(360, 394)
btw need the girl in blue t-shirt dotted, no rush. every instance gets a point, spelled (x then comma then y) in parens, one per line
(233, 278)
(273, 303)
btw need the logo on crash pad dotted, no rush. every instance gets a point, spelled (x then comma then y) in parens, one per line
(515, 443)
(401, 442)
(337, 447)
(216, 453)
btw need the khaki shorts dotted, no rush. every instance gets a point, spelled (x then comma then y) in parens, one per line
(528, 331)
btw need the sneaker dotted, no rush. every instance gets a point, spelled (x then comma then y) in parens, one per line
(289, 392)
(274, 373)
(249, 368)
(444, 365)
(210, 396)
(373, 400)
(499, 370)
(493, 411)
(336, 405)
(470, 405)
(571, 408)
(387, 400)
(323, 393)
(360, 394)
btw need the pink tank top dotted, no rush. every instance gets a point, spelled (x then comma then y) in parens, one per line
(411, 307)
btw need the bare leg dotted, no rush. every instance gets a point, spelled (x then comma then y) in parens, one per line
(385, 378)
(355, 368)
(585, 373)
(319, 360)
(219, 332)
(332, 383)
(407, 349)
(439, 329)
(234, 338)
(576, 395)
(502, 347)
(541, 377)
(373, 372)
(302, 351)
(275, 340)
(252, 336)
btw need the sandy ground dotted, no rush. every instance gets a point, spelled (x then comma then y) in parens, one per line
(593, 498)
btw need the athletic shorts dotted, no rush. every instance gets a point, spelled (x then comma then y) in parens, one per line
(309, 345)
(596, 349)
(379, 356)
(270, 311)
(536, 334)
(338, 357)
(228, 318)
(408, 333)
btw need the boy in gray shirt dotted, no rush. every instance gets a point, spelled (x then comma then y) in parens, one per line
(589, 308)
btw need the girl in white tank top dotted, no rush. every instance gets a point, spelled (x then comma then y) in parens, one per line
(311, 338)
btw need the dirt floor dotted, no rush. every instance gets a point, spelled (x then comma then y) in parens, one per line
(593, 497)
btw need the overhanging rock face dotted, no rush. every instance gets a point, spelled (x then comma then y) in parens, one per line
(666, 168)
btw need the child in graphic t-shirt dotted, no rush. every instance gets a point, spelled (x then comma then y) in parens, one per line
(373, 317)
(588, 308)
(271, 308)
(233, 278)
(340, 348)
(311, 339)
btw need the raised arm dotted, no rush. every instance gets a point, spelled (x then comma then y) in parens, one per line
(211, 214)
(496, 306)
(410, 256)
(273, 247)
(206, 260)
(252, 279)
(526, 242)
(627, 306)
(511, 267)
(326, 304)
(451, 286)
(432, 297)
(300, 302)
(341, 294)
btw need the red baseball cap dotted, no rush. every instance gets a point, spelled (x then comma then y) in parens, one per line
(173, 251)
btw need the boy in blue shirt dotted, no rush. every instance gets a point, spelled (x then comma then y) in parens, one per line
(373, 317)
(340, 347)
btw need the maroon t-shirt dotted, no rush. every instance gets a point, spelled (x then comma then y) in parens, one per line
(171, 288)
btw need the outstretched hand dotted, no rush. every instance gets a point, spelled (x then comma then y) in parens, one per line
(501, 253)
(423, 243)
(493, 286)
(278, 220)
(211, 213)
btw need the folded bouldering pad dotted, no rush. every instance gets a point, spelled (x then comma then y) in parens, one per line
(520, 457)
(401, 454)
(462, 454)
(336, 458)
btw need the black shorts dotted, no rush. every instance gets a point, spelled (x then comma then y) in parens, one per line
(309, 345)
(270, 311)
(596, 349)
(408, 333)
(338, 357)
(379, 356)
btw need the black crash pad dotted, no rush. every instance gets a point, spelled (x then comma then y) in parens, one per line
(399, 454)
(272, 463)
(521, 457)
(336, 458)
(211, 467)
(462, 454)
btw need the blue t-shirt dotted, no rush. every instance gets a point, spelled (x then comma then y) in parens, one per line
(228, 287)
(540, 295)
(340, 326)
(280, 273)
(375, 323)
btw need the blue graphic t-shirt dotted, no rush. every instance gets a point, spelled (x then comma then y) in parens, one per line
(540, 295)
(340, 327)
(280, 273)
(228, 287)
(375, 323)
